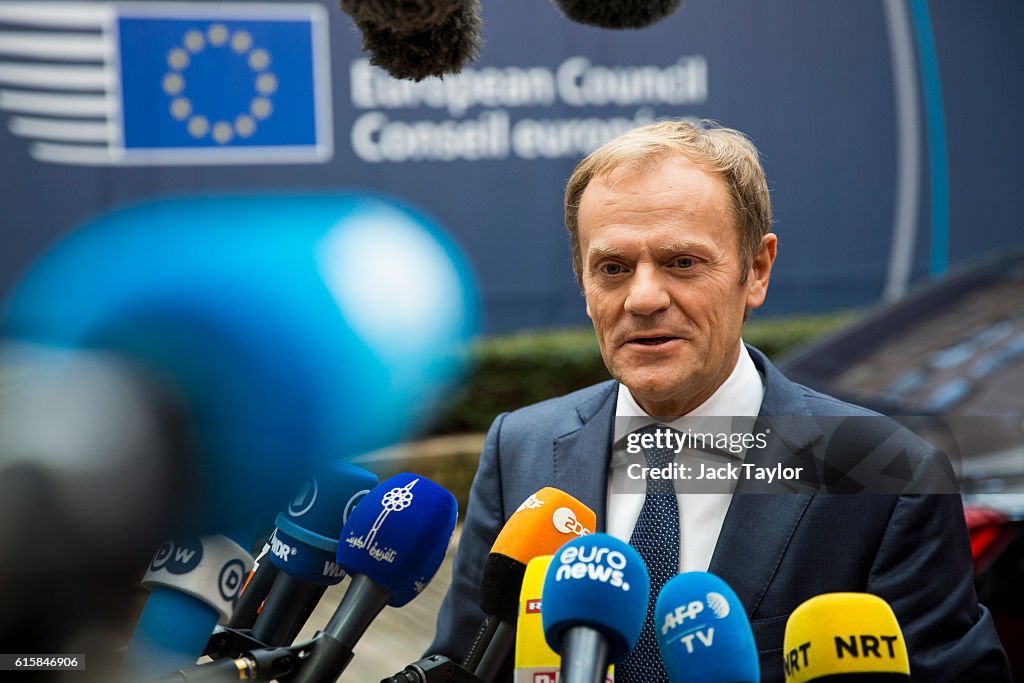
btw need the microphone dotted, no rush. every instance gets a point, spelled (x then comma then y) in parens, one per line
(254, 591)
(392, 545)
(617, 14)
(418, 40)
(271, 320)
(250, 602)
(534, 660)
(433, 669)
(303, 547)
(193, 582)
(540, 526)
(845, 637)
(89, 450)
(594, 602)
(703, 632)
(402, 17)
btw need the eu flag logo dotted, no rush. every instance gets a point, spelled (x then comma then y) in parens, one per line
(174, 83)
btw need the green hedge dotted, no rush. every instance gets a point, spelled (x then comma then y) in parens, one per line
(514, 371)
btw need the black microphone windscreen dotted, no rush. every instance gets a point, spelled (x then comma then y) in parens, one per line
(435, 51)
(617, 14)
(500, 585)
(401, 16)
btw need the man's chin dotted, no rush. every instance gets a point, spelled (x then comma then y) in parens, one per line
(657, 373)
(649, 393)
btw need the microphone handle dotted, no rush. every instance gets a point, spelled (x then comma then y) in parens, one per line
(484, 635)
(497, 652)
(585, 655)
(213, 672)
(288, 605)
(265, 664)
(433, 669)
(363, 601)
(330, 651)
(247, 606)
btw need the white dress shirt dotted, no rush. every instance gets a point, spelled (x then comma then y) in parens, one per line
(700, 514)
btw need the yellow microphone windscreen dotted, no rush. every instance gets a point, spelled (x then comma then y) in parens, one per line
(533, 657)
(535, 662)
(852, 635)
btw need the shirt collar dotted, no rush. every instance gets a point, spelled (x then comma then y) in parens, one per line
(739, 395)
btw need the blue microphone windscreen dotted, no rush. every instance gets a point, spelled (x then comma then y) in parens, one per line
(703, 631)
(398, 534)
(290, 328)
(171, 632)
(305, 542)
(599, 582)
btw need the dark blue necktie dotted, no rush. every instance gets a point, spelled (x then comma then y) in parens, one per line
(656, 538)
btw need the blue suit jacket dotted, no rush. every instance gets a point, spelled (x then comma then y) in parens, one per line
(776, 550)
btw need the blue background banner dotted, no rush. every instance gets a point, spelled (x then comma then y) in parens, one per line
(487, 153)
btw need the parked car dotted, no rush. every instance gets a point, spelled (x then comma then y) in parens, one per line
(948, 361)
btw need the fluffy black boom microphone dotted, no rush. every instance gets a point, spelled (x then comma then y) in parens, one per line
(433, 51)
(617, 14)
(401, 16)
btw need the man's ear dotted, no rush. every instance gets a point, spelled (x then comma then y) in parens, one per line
(761, 271)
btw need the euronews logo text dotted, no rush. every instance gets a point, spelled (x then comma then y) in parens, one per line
(594, 564)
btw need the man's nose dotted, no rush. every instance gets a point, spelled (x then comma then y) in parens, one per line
(647, 293)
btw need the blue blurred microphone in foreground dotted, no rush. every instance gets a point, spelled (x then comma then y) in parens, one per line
(288, 331)
(594, 602)
(294, 330)
(392, 545)
(703, 632)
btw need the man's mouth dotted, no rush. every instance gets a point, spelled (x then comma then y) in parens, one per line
(652, 341)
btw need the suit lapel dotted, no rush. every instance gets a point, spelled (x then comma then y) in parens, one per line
(582, 457)
(755, 534)
(758, 526)
(763, 517)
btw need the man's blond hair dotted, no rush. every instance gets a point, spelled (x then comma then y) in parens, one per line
(726, 152)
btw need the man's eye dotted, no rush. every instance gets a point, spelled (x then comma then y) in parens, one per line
(612, 269)
(685, 262)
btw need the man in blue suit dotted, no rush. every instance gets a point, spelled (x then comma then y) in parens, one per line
(671, 242)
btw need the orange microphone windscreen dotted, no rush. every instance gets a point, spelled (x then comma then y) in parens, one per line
(542, 524)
